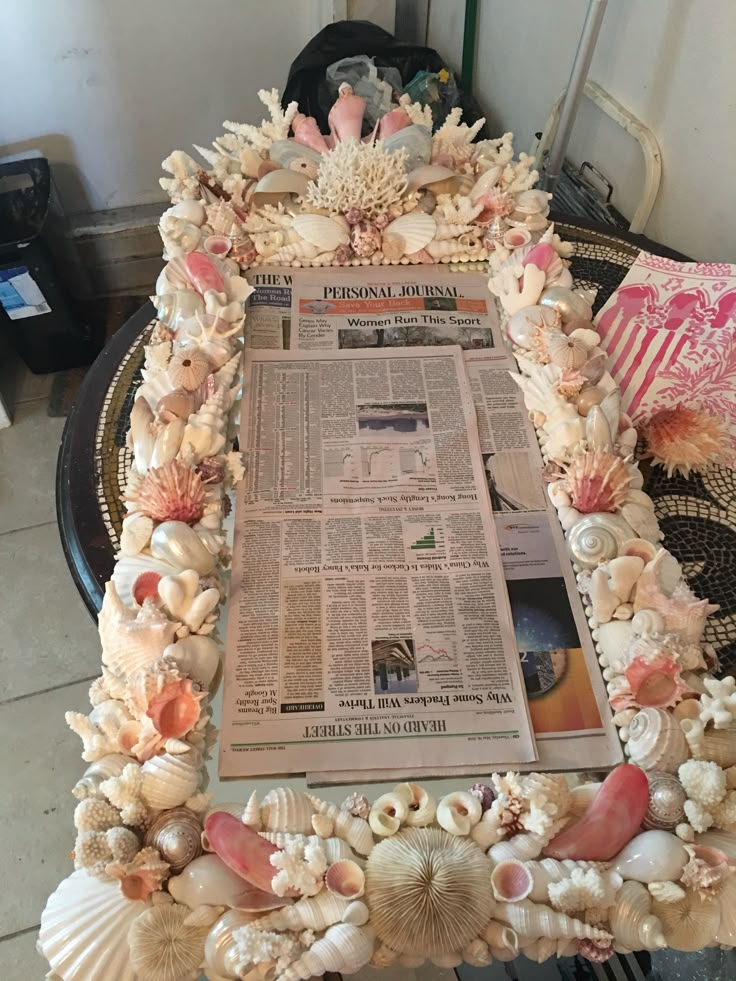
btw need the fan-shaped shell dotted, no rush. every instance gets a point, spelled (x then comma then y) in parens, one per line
(689, 923)
(283, 809)
(84, 929)
(656, 741)
(323, 232)
(169, 780)
(173, 492)
(428, 891)
(415, 230)
(163, 947)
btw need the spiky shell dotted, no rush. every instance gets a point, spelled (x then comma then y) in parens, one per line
(428, 891)
(682, 439)
(283, 809)
(188, 369)
(132, 641)
(163, 947)
(597, 481)
(84, 929)
(173, 492)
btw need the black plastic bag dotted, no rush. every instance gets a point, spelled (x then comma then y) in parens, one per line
(307, 84)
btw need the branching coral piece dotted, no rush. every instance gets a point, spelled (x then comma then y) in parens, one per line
(125, 793)
(359, 175)
(256, 947)
(261, 137)
(584, 888)
(301, 866)
(719, 705)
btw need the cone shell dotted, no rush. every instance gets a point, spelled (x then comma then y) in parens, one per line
(323, 232)
(632, 922)
(428, 891)
(287, 810)
(345, 879)
(84, 929)
(656, 741)
(689, 923)
(511, 881)
(169, 780)
(415, 230)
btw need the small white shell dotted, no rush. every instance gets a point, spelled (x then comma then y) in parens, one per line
(388, 813)
(422, 808)
(345, 879)
(415, 229)
(597, 538)
(323, 232)
(458, 812)
(522, 847)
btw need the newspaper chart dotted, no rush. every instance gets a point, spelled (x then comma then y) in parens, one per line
(369, 622)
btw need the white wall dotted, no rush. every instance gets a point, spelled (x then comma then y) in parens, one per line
(670, 62)
(107, 88)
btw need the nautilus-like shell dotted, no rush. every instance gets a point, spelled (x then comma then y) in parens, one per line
(597, 538)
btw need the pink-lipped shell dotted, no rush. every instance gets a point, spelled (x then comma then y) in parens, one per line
(511, 881)
(597, 481)
(241, 849)
(655, 683)
(345, 878)
(218, 245)
(610, 822)
(306, 131)
(203, 273)
(146, 587)
(175, 711)
(392, 122)
(346, 116)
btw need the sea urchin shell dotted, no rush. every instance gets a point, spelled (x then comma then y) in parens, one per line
(173, 492)
(682, 439)
(597, 481)
(428, 891)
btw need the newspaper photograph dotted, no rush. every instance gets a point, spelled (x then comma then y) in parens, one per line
(392, 306)
(268, 309)
(369, 622)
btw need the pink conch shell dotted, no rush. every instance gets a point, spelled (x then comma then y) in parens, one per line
(597, 481)
(146, 587)
(203, 273)
(610, 822)
(346, 116)
(653, 684)
(682, 439)
(543, 256)
(661, 588)
(392, 122)
(176, 709)
(241, 849)
(511, 881)
(306, 132)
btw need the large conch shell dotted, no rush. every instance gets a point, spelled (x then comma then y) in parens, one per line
(718, 745)
(532, 920)
(352, 829)
(84, 929)
(132, 641)
(662, 588)
(632, 923)
(344, 948)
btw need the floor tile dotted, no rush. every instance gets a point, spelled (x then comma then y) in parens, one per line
(48, 637)
(28, 451)
(40, 764)
(20, 960)
(18, 384)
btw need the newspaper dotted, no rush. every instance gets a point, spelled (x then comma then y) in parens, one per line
(567, 699)
(368, 618)
(268, 311)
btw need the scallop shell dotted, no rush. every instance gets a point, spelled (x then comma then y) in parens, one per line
(458, 812)
(597, 481)
(324, 233)
(173, 492)
(427, 891)
(511, 881)
(689, 923)
(84, 929)
(632, 923)
(656, 741)
(415, 230)
(597, 538)
(164, 946)
(533, 921)
(108, 766)
(177, 834)
(287, 810)
(666, 802)
(345, 879)
(169, 780)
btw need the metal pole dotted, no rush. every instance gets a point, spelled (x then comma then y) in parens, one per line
(578, 75)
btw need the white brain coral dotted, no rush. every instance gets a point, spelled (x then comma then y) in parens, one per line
(704, 782)
(93, 814)
(300, 867)
(258, 947)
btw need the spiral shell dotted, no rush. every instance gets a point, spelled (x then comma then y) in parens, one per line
(352, 829)
(88, 785)
(458, 812)
(220, 949)
(389, 812)
(521, 847)
(666, 802)
(169, 780)
(597, 538)
(632, 922)
(656, 741)
(422, 808)
(716, 745)
(287, 810)
(177, 834)
(315, 913)
(344, 948)
(532, 921)
(84, 929)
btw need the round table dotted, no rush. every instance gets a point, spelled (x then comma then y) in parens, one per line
(93, 458)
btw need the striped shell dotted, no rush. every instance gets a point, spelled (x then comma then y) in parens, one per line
(173, 492)
(408, 234)
(169, 780)
(287, 810)
(597, 481)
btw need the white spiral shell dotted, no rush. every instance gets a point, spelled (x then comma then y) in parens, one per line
(168, 780)
(84, 929)
(597, 538)
(283, 809)
(656, 741)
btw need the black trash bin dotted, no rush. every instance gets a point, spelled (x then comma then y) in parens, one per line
(37, 314)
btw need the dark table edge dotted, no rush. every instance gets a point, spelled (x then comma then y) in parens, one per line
(76, 474)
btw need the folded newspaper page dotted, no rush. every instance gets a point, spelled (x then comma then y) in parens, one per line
(369, 625)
